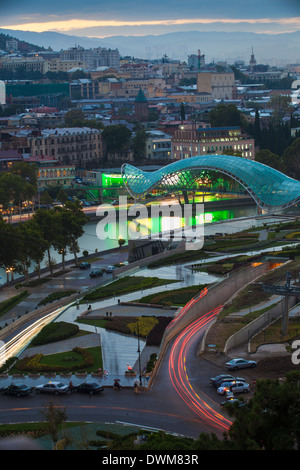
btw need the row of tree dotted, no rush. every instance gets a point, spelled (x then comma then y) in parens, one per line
(26, 244)
(278, 148)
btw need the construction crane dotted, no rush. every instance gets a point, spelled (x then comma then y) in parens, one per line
(287, 290)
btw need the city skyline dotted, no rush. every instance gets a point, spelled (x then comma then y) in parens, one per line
(95, 18)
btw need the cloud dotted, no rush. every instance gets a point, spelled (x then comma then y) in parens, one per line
(80, 24)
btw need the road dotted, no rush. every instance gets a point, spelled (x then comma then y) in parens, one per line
(180, 400)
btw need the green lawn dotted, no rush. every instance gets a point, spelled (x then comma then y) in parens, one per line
(126, 285)
(67, 360)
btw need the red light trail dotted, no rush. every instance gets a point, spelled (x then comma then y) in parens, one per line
(179, 377)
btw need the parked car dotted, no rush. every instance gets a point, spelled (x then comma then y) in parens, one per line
(232, 402)
(96, 273)
(84, 265)
(57, 388)
(230, 378)
(17, 390)
(89, 387)
(239, 363)
(234, 387)
(221, 378)
(109, 269)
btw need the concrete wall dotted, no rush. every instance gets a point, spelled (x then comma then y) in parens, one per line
(217, 295)
(249, 331)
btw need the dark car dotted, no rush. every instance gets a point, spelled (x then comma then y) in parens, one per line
(84, 265)
(229, 378)
(218, 378)
(17, 390)
(232, 402)
(89, 387)
(96, 273)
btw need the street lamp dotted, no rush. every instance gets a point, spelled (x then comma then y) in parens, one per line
(139, 351)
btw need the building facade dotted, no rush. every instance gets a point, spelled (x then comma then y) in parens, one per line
(218, 85)
(81, 147)
(189, 141)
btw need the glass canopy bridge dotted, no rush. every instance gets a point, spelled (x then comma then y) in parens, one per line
(271, 190)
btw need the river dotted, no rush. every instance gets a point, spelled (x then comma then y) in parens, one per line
(92, 244)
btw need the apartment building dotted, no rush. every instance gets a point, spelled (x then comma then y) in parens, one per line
(220, 85)
(158, 146)
(97, 57)
(52, 173)
(189, 141)
(81, 147)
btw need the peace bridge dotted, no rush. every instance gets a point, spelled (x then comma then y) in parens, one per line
(271, 190)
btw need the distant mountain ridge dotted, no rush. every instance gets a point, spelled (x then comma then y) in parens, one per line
(215, 45)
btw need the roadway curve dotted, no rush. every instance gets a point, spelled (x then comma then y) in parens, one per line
(182, 373)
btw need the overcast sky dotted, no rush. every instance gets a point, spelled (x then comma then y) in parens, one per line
(102, 18)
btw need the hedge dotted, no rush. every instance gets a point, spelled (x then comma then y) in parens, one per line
(55, 331)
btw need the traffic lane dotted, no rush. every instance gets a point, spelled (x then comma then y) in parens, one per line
(125, 406)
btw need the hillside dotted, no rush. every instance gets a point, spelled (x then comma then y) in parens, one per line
(215, 45)
(23, 45)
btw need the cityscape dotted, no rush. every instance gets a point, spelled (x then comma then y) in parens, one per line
(149, 223)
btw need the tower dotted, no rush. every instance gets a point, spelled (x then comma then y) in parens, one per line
(252, 62)
(141, 105)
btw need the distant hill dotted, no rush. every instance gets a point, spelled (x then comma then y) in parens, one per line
(215, 45)
(23, 45)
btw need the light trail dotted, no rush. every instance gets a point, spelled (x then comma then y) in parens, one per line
(180, 380)
(19, 342)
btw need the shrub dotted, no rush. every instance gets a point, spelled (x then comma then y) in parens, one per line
(55, 331)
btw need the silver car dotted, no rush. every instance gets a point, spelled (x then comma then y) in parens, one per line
(239, 363)
(234, 387)
(56, 388)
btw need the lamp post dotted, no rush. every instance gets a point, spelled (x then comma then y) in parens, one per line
(139, 352)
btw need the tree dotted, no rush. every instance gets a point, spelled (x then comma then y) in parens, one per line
(8, 243)
(269, 158)
(138, 142)
(281, 106)
(70, 222)
(271, 419)
(182, 112)
(291, 159)
(54, 417)
(62, 196)
(47, 223)
(226, 115)
(30, 246)
(116, 138)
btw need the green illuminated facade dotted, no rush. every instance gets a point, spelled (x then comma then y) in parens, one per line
(270, 189)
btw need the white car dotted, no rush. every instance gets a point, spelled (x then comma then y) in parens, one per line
(52, 387)
(109, 269)
(234, 387)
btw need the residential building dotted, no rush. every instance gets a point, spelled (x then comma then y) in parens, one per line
(158, 146)
(196, 61)
(52, 173)
(80, 146)
(190, 141)
(220, 85)
(97, 57)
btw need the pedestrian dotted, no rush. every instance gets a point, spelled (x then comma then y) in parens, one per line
(117, 385)
(136, 386)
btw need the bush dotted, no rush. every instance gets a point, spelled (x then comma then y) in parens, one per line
(56, 296)
(155, 335)
(55, 331)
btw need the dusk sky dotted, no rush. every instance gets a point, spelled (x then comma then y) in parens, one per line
(99, 18)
